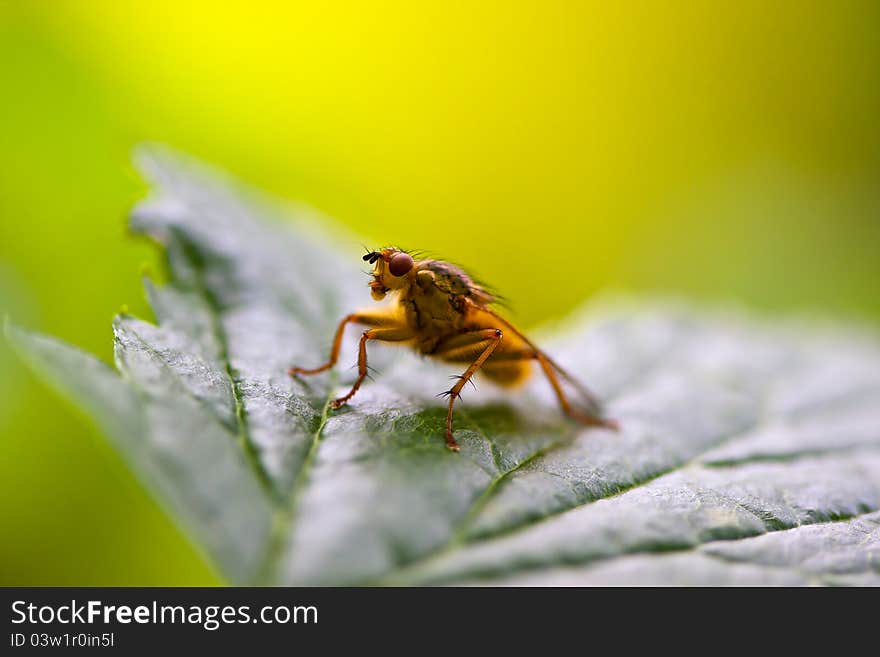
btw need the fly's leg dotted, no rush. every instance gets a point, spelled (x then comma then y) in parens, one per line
(368, 318)
(586, 394)
(553, 373)
(454, 349)
(395, 334)
(588, 419)
(334, 351)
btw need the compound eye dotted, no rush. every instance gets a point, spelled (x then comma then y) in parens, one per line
(400, 264)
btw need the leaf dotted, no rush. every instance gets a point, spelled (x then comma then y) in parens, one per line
(749, 453)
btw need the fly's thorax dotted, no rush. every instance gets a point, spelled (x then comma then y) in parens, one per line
(430, 310)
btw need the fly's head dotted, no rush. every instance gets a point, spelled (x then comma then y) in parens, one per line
(391, 270)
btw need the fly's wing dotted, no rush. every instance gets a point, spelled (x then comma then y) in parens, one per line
(454, 281)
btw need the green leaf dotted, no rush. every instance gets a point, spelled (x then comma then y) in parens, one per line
(749, 450)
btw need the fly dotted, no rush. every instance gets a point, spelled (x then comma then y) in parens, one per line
(441, 312)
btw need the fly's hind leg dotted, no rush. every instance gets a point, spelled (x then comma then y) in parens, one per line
(460, 347)
(553, 372)
(590, 419)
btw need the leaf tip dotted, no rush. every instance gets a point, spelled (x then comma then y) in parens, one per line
(147, 157)
(15, 335)
(29, 346)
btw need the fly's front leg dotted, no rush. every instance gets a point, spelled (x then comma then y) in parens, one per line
(393, 334)
(367, 318)
(334, 351)
(454, 349)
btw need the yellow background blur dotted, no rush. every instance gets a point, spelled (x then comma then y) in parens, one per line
(557, 148)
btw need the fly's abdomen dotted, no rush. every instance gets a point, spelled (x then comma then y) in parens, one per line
(507, 373)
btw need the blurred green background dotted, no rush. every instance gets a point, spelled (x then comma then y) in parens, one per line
(558, 148)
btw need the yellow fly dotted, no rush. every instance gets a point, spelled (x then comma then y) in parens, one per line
(441, 312)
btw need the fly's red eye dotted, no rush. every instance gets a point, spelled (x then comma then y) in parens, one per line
(400, 264)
